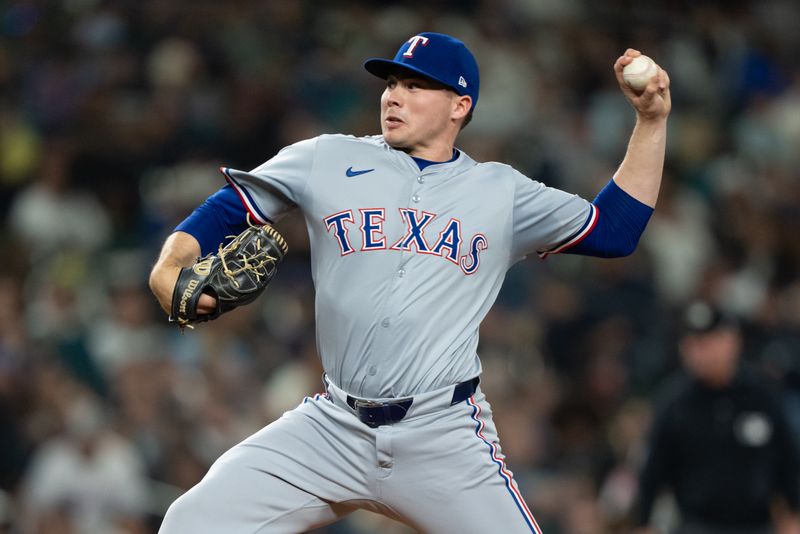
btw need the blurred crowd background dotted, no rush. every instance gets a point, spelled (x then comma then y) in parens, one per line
(116, 114)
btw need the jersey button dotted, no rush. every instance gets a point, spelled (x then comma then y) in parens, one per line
(385, 323)
(401, 273)
(416, 198)
(421, 179)
(372, 370)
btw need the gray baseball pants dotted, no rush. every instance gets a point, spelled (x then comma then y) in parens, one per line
(439, 470)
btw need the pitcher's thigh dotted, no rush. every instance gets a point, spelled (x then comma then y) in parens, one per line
(455, 476)
(247, 502)
(491, 507)
(271, 482)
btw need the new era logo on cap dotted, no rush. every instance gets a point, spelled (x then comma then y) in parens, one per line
(437, 56)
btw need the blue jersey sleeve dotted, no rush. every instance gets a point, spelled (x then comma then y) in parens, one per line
(620, 221)
(220, 216)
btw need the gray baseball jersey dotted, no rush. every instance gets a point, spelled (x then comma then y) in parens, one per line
(406, 264)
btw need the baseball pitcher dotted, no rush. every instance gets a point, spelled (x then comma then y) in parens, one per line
(410, 242)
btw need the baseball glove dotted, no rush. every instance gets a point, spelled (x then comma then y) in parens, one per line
(236, 275)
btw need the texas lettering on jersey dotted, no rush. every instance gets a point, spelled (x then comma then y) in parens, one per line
(447, 246)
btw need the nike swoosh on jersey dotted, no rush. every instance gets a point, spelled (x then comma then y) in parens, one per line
(350, 172)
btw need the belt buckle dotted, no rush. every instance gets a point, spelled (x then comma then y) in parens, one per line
(372, 413)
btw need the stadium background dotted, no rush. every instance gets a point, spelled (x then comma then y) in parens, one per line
(114, 116)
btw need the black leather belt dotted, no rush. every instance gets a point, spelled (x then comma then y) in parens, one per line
(375, 414)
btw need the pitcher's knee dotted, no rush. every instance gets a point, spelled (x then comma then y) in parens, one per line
(184, 515)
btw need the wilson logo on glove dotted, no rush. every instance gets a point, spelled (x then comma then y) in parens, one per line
(202, 267)
(187, 294)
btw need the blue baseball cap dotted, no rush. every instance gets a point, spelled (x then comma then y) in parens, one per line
(437, 56)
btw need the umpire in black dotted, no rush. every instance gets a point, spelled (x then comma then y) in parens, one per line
(720, 442)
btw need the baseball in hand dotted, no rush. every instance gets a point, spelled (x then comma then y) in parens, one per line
(637, 73)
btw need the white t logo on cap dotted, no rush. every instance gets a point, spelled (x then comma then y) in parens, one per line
(414, 42)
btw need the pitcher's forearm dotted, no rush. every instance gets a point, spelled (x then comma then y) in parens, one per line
(179, 250)
(640, 173)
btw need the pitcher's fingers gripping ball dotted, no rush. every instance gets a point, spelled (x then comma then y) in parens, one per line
(639, 72)
(236, 275)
